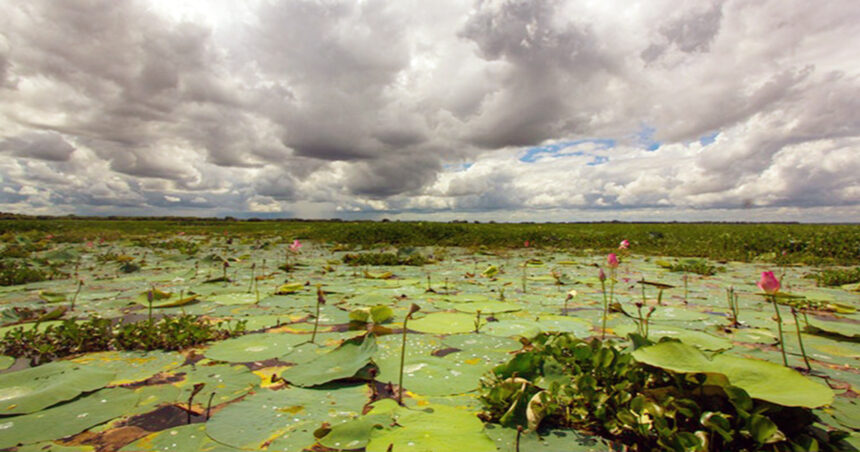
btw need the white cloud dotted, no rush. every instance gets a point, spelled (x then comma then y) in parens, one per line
(371, 108)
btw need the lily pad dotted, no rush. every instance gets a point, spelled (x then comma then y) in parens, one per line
(343, 362)
(284, 420)
(131, 367)
(355, 434)
(511, 328)
(36, 388)
(761, 379)
(255, 347)
(846, 329)
(701, 340)
(185, 438)
(227, 382)
(488, 307)
(67, 419)
(435, 428)
(233, 298)
(444, 323)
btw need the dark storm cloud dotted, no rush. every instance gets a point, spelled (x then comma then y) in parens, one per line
(319, 107)
(38, 145)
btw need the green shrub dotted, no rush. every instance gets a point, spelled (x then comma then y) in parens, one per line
(560, 381)
(97, 334)
(14, 273)
(837, 277)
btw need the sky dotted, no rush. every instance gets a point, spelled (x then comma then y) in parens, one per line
(505, 110)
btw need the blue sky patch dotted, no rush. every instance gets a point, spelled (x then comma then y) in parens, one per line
(532, 154)
(645, 137)
(708, 139)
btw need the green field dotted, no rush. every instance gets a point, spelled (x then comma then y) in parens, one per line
(144, 335)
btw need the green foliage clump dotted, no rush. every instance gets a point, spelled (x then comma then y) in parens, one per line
(97, 334)
(183, 246)
(837, 277)
(560, 381)
(14, 273)
(15, 251)
(359, 259)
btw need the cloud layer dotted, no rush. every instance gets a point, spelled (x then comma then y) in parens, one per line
(496, 109)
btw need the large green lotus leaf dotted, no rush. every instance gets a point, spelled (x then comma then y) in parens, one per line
(387, 357)
(289, 301)
(699, 339)
(6, 362)
(482, 343)
(66, 419)
(131, 367)
(433, 376)
(286, 418)
(579, 327)
(545, 440)
(255, 347)
(846, 411)
(233, 298)
(436, 428)
(761, 379)
(510, 328)
(847, 329)
(753, 336)
(467, 298)
(676, 314)
(355, 434)
(343, 362)
(226, 381)
(181, 439)
(371, 299)
(258, 322)
(36, 388)
(444, 323)
(487, 307)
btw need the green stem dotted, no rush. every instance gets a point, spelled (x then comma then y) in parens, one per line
(605, 306)
(779, 328)
(800, 338)
(402, 363)
(316, 323)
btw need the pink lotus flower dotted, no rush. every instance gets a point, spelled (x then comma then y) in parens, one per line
(601, 275)
(295, 246)
(90, 244)
(526, 243)
(612, 260)
(624, 245)
(768, 283)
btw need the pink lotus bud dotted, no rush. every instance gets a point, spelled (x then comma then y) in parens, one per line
(526, 243)
(601, 275)
(624, 245)
(90, 244)
(296, 245)
(768, 283)
(612, 260)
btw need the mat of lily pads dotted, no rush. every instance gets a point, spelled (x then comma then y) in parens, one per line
(277, 389)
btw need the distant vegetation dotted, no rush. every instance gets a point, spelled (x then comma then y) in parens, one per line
(784, 243)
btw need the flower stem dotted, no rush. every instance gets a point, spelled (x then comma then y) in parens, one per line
(402, 363)
(779, 328)
(800, 338)
(605, 307)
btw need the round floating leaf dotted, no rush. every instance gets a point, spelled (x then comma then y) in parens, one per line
(436, 428)
(846, 329)
(510, 328)
(185, 438)
(566, 324)
(255, 347)
(760, 379)
(444, 323)
(678, 314)
(289, 417)
(233, 298)
(481, 343)
(36, 388)
(227, 382)
(467, 298)
(131, 367)
(355, 434)
(67, 419)
(432, 376)
(343, 362)
(699, 339)
(488, 307)
(545, 440)
(6, 362)
(161, 299)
